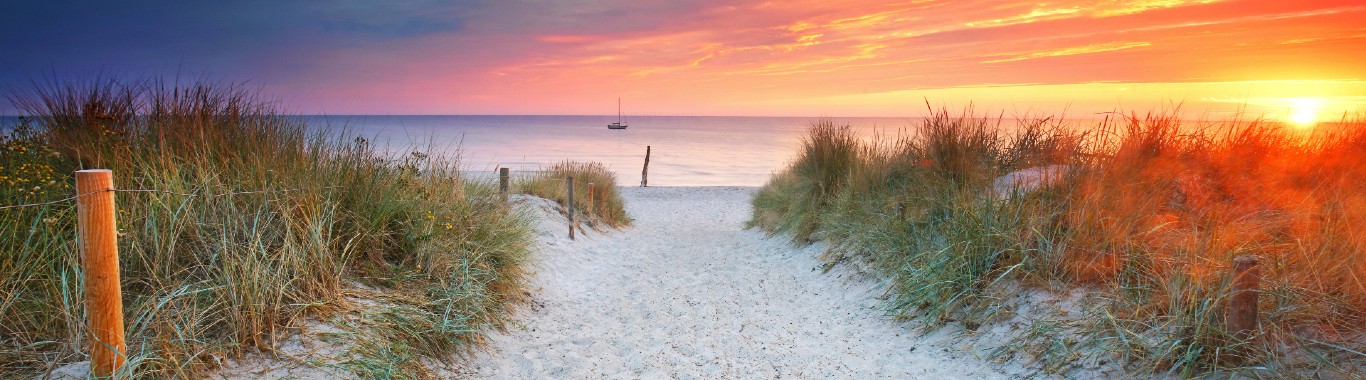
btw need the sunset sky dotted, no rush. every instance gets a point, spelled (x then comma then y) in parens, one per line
(703, 57)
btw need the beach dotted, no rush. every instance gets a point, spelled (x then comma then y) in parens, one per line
(794, 190)
(689, 292)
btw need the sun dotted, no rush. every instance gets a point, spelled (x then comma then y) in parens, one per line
(1304, 111)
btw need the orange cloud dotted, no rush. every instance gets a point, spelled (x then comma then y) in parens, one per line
(866, 57)
(1088, 49)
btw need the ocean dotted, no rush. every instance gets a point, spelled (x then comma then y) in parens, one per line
(684, 150)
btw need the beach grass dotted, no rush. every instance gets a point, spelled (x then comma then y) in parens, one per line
(794, 200)
(1145, 211)
(250, 223)
(598, 205)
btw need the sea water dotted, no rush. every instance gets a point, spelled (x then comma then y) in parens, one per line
(684, 150)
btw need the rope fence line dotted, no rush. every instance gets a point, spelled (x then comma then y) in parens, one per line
(77, 196)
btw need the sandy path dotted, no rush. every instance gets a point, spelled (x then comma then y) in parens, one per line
(687, 293)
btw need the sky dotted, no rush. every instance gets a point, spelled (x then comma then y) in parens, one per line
(1276, 59)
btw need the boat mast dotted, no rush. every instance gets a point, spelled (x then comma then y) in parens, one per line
(618, 110)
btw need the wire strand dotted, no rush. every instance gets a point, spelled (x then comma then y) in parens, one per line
(74, 197)
(48, 202)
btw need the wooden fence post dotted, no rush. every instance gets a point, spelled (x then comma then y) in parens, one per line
(1242, 307)
(503, 183)
(97, 236)
(645, 171)
(571, 207)
(592, 206)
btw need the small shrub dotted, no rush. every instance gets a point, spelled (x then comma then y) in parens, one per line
(599, 204)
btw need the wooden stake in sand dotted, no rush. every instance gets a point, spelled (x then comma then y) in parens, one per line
(1242, 304)
(645, 172)
(503, 183)
(591, 205)
(98, 240)
(570, 205)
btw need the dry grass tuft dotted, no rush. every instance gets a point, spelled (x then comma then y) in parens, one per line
(599, 205)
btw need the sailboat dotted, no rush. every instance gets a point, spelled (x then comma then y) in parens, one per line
(618, 124)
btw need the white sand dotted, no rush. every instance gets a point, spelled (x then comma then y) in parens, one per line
(1024, 181)
(689, 293)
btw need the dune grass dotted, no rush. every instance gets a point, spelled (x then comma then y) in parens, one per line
(256, 224)
(598, 205)
(1148, 210)
(794, 199)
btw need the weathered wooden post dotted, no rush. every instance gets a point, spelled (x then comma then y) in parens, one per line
(592, 206)
(503, 182)
(97, 238)
(645, 171)
(1242, 305)
(570, 205)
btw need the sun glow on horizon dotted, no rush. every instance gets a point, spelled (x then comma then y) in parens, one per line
(1304, 111)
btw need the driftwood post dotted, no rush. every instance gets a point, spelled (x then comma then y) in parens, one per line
(503, 182)
(570, 204)
(645, 171)
(98, 241)
(1242, 305)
